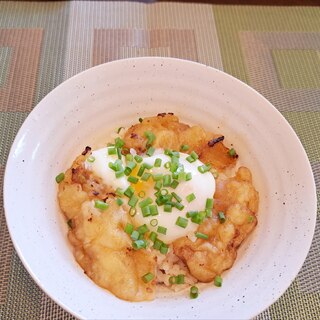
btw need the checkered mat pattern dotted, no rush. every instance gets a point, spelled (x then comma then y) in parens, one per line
(276, 50)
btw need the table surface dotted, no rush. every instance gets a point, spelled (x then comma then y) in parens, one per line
(276, 50)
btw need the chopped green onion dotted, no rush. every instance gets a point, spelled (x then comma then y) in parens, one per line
(133, 201)
(135, 235)
(153, 210)
(132, 211)
(143, 229)
(139, 244)
(172, 280)
(167, 165)
(158, 185)
(132, 179)
(164, 192)
(190, 159)
(119, 192)
(164, 248)
(176, 197)
(91, 159)
(191, 214)
(232, 153)
(218, 281)
(157, 163)
(118, 142)
(182, 222)
(194, 155)
(148, 277)
(129, 192)
(168, 152)
(184, 147)
(145, 211)
(188, 176)
(138, 158)
(167, 208)
(194, 292)
(208, 213)
(145, 202)
(145, 176)
(150, 151)
(190, 197)
(180, 279)
(157, 244)
(199, 217)
(147, 165)
(141, 170)
(141, 194)
(182, 176)
(119, 153)
(204, 168)
(99, 204)
(166, 180)
(162, 230)
(154, 222)
(157, 177)
(112, 150)
(201, 235)
(209, 203)
(178, 205)
(130, 166)
(128, 228)
(119, 174)
(250, 218)
(150, 138)
(174, 184)
(60, 177)
(129, 157)
(153, 235)
(221, 217)
(119, 202)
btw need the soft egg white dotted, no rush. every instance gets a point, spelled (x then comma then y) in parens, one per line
(100, 167)
(202, 185)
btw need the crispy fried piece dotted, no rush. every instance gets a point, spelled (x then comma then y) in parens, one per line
(170, 133)
(104, 251)
(101, 246)
(239, 201)
(217, 155)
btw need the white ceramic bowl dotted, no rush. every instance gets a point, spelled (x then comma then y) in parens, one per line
(85, 109)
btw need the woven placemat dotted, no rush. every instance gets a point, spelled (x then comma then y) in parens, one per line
(273, 49)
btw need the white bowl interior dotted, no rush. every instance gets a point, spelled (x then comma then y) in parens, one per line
(86, 109)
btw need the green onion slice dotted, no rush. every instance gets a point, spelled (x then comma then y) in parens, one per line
(190, 197)
(119, 202)
(128, 228)
(202, 235)
(194, 292)
(154, 222)
(60, 177)
(162, 230)
(218, 281)
(139, 244)
(182, 222)
(99, 204)
(184, 147)
(209, 203)
(221, 217)
(148, 277)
